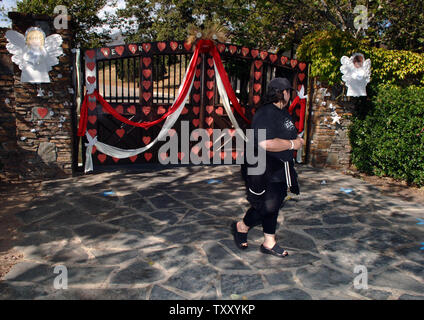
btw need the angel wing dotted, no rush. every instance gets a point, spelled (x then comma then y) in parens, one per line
(16, 46)
(367, 68)
(346, 68)
(53, 46)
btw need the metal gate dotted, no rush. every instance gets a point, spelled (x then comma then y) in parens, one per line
(140, 81)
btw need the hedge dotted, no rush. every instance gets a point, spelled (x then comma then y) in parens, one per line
(388, 141)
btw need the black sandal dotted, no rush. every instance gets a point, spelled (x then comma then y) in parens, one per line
(276, 250)
(239, 237)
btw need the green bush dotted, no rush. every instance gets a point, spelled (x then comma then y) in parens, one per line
(324, 49)
(387, 141)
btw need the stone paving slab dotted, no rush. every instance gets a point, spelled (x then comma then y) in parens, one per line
(165, 233)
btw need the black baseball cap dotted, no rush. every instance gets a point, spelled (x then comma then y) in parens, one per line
(280, 84)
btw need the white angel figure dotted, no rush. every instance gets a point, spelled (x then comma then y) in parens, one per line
(34, 53)
(356, 74)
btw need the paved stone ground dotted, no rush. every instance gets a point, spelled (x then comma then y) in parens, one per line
(165, 234)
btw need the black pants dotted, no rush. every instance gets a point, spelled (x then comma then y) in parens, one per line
(267, 214)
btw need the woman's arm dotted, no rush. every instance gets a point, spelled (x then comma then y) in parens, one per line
(277, 144)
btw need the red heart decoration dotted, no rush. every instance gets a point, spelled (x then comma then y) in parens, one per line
(208, 144)
(42, 112)
(264, 54)
(146, 96)
(161, 46)
(211, 73)
(258, 64)
(196, 84)
(161, 110)
(209, 131)
(146, 140)
(131, 110)
(244, 51)
(209, 109)
(209, 94)
(132, 48)
(120, 109)
(254, 53)
(187, 46)
(293, 63)
(211, 153)
(196, 110)
(301, 76)
(115, 159)
(185, 110)
(257, 87)
(92, 132)
(105, 51)
(92, 119)
(195, 122)
(105, 110)
(101, 157)
(284, 60)
(232, 132)
(234, 154)
(146, 84)
(253, 110)
(147, 73)
(221, 47)
(133, 158)
(163, 156)
(120, 50)
(146, 47)
(195, 150)
(90, 53)
(302, 66)
(233, 49)
(273, 57)
(92, 105)
(209, 120)
(120, 132)
(146, 109)
(219, 111)
(210, 62)
(171, 132)
(173, 45)
(258, 75)
(90, 66)
(256, 99)
(196, 97)
(210, 84)
(181, 155)
(147, 61)
(195, 135)
(198, 73)
(91, 79)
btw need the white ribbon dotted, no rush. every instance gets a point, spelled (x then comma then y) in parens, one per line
(226, 103)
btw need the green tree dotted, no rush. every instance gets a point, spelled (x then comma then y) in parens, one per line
(84, 17)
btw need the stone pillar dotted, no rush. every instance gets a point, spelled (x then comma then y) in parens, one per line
(44, 124)
(329, 119)
(7, 113)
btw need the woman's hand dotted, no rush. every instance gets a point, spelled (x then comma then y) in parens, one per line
(298, 143)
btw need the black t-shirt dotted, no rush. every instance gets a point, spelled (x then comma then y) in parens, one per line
(278, 124)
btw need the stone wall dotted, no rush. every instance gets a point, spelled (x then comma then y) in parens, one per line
(43, 125)
(329, 144)
(7, 112)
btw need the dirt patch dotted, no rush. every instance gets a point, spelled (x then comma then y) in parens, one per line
(14, 198)
(394, 188)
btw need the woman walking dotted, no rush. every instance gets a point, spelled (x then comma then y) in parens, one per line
(267, 192)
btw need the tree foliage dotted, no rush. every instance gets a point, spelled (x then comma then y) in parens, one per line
(84, 15)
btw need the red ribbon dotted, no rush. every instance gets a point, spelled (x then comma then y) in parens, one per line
(203, 46)
(302, 102)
